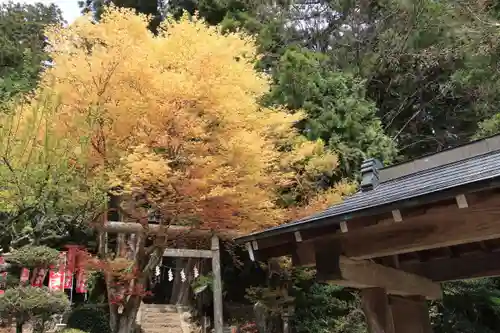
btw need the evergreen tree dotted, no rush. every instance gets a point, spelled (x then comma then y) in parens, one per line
(22, 44)
(337, 109)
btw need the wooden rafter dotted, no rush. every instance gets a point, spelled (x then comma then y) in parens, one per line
(337, 269)
(422, 233)
(456, 268)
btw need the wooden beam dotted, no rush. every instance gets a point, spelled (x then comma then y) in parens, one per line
(304, 255)
(461, 201)
(334, 268)
(187, 253)
(170, 230)
(484, 246)
(290, 237)
(422, 233)
(375, 304)
(396, 215)
(365, 274)
(456, 268)
(390, 261)
(251, 254)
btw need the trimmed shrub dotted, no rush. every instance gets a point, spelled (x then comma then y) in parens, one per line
(24, 303)
(34, 256)
(91, 320)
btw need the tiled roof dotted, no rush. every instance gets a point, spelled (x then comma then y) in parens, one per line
(425, 182)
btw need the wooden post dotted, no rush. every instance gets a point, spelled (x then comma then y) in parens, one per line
(410, 315)
(217, 285)
(377, 311)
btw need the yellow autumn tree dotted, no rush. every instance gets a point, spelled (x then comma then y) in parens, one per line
(172, 121)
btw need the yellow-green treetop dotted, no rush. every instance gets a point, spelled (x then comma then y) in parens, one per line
(173, 120)
(41, 188)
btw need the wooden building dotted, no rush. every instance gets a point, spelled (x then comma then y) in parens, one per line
(410, 227)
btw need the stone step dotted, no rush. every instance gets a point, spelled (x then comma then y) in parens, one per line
(177, 329)
(166, 329)
(159, 315)
(159, 311)
(161, 321)
(157, 318)
(159, 307)
(161, 318)
(160, 325)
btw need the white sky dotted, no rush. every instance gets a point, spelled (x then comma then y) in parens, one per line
(69, 8)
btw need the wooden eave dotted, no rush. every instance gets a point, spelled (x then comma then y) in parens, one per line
(443, 234)
(327, 226)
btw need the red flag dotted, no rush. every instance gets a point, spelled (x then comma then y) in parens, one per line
(70, 266)
(25, 275)
(81, 281)
(68, 279)
(39, 277)
(56, 275)
(3, 277)
(71, 261)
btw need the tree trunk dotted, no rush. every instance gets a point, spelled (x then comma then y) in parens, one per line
(114, 317)
(125, 322)
(181, 291)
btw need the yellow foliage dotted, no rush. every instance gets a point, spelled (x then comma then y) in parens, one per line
(174, 119)
(39, 170)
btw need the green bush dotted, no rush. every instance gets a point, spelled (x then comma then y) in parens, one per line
(34, 256)
(28, 302)
(324, 308)
(91, 320)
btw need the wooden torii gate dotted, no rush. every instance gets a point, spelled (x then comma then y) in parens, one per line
(411, 226)
(213, 253)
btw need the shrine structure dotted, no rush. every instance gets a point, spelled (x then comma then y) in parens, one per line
(410, 227)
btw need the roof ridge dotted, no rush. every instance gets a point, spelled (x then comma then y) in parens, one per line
(486, 138)
(420, 172)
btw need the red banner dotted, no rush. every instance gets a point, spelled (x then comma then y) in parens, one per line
(68, 279)
(25, 275)
(39, 277)
(71, 261)
(56, 274)
(3, 277)
(70, 266)
(81, 281)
